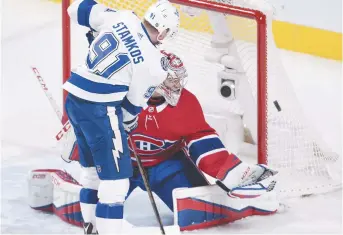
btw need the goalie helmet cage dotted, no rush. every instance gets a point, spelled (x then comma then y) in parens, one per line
(284, 137)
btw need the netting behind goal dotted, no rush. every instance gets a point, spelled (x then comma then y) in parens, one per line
(285, 140)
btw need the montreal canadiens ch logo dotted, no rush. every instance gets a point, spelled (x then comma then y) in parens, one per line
(146, 145)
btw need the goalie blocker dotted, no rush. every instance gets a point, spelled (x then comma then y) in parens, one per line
(57, 191)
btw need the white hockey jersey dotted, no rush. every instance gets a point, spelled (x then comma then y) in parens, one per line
(122, 63)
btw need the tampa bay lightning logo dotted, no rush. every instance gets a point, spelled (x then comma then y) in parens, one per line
(149, 92)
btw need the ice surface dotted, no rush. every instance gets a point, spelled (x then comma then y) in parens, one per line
(31, 36)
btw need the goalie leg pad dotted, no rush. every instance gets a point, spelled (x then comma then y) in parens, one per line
(55, 191)
(207, 206)
(40, 190)
(177, 172)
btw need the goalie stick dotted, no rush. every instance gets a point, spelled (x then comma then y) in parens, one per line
(47, 93)
(147, 186)
(69, 139)
(53, 103)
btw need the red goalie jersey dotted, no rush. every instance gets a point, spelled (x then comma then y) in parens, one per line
(164, 130)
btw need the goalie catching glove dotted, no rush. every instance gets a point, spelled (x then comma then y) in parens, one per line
(231, 172)
(243, 174)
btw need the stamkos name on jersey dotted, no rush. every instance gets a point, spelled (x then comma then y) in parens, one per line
(129, 42)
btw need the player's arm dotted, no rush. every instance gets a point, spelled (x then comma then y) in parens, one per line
(205, 147)
(148, 74)
(211, 156)
(135, 100)
(130, 111)
(88, 13)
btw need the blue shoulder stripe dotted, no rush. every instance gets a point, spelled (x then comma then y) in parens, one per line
(95, 87)
(131, 108)
(84, 11)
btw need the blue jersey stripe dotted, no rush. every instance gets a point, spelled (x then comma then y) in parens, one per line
(95, 87)
(200, 147)
(131, 108)
(84, 12)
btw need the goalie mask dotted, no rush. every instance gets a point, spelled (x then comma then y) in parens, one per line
(172, 86)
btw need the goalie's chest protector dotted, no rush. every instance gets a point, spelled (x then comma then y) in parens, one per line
(163, 121)
(160, 123)
(159, 128)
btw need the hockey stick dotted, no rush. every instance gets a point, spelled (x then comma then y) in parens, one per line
(66, 133)
(147, 186)
(53, 103)
(47, 93)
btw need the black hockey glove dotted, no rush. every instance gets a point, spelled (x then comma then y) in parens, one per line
(90, 36)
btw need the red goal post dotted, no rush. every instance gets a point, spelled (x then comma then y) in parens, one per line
(66, 50)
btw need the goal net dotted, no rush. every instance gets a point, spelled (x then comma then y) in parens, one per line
(274, 116)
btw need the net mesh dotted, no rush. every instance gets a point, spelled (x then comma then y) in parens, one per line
(305, 162)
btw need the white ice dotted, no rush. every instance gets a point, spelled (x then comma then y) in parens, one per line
(31, 36)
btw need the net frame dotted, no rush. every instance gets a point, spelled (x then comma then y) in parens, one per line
(66, 52)
(261, 22)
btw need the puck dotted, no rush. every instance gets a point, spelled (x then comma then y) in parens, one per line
(277, 106)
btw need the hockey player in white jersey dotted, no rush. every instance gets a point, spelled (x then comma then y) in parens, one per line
(106, 94)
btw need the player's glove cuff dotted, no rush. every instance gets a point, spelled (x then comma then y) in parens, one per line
(131, 125)
(91, 34)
